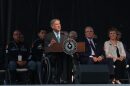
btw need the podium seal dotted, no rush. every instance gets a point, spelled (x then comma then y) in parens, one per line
(69, 46)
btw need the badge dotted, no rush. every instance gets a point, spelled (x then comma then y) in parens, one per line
(19, 57)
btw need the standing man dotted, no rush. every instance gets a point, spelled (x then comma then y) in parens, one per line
(94, 50)
(56, 58)
(55, 36)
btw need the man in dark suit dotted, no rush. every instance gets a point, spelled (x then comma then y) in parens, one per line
(55, 36)
(57, 59)
(94, 50)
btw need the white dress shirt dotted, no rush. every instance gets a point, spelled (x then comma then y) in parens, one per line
(57, 34)
(93, 53)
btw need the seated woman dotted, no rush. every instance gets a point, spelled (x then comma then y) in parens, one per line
(114, 50)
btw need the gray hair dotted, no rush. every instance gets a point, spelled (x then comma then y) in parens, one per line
(53, 20)
(73, 34)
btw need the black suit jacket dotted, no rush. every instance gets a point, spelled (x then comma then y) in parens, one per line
(98, 50)
(51, 35)
(88, 48)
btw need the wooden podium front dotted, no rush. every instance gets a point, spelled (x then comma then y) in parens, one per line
(59, 47)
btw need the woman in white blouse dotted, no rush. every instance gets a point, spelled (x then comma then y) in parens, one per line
(114, 50)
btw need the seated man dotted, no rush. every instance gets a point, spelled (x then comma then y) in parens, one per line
(38, 50)
(18, 54)
(93, 52)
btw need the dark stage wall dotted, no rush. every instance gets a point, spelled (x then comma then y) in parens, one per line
(30, 15)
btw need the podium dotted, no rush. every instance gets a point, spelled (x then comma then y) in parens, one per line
(59, 48)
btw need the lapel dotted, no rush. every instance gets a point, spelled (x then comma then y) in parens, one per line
(95, 43)
(61, 37)
(88, 48)
(87, 45)
(87, 42)
(53, 36)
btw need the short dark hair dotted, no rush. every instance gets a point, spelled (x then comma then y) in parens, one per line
(41, 29)
(17, 31)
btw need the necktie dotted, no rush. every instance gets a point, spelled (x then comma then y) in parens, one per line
(91, 45)
(58, 38)
(117, 51)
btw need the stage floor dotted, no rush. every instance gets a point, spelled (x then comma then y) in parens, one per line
(77, 85)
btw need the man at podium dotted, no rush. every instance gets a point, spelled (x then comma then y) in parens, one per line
(57, 59)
